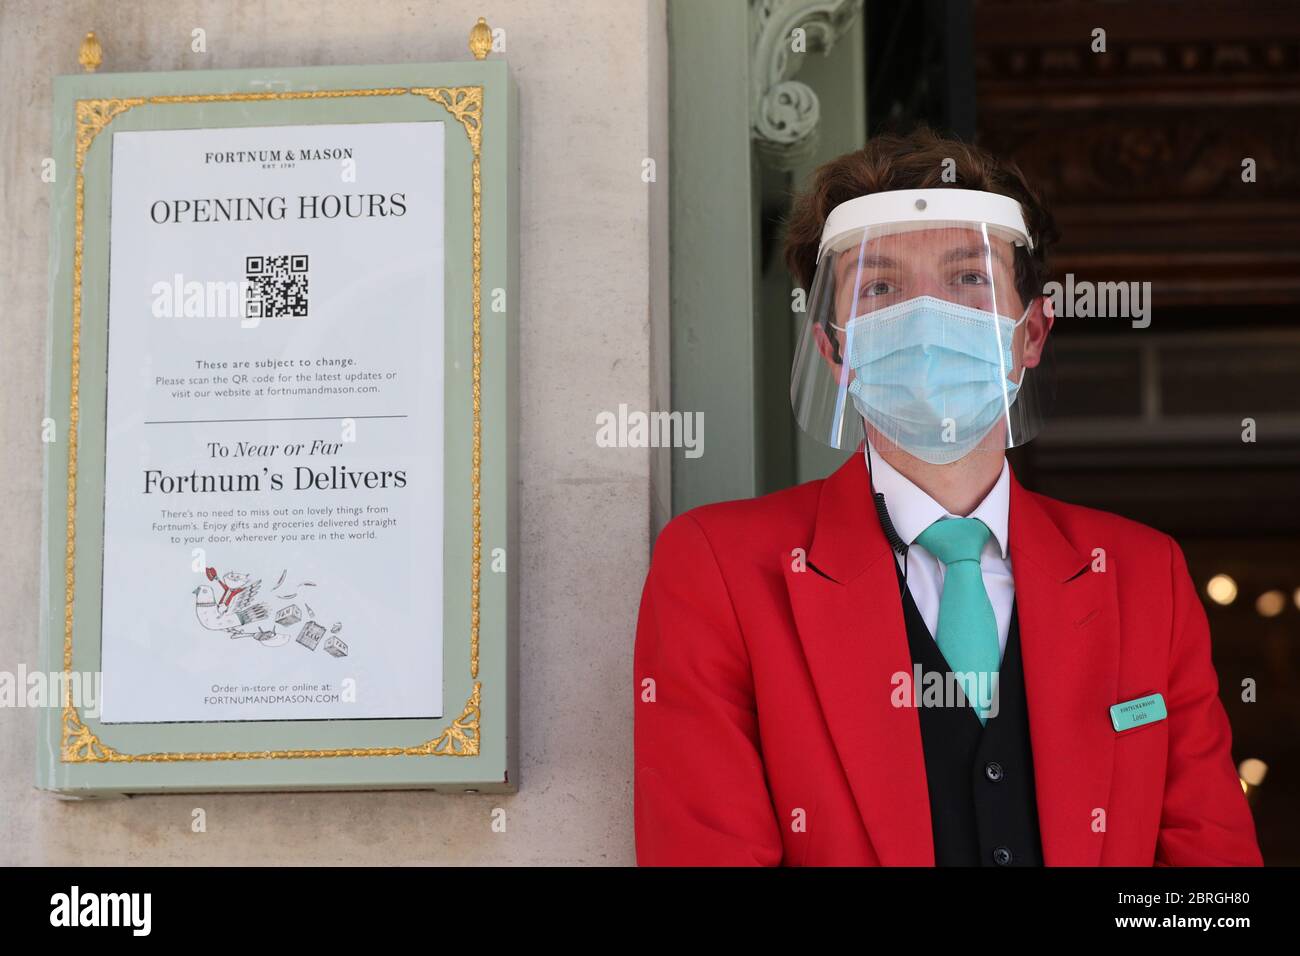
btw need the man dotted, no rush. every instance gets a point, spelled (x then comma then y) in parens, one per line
(915, 661)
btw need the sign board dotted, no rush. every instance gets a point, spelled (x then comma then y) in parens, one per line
(281, 470)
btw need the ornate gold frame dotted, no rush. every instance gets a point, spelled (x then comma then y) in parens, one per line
(461, 739)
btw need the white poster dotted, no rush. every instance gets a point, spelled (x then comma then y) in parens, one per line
(273, 504)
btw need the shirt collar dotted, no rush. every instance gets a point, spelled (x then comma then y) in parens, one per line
(912, 510)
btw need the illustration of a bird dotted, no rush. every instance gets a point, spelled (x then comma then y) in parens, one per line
(237, 612)
(217, 616)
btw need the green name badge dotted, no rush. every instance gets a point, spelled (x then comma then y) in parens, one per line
(1141, 710)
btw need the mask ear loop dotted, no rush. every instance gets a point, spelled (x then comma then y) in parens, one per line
(1023, 315)
(1017, 324)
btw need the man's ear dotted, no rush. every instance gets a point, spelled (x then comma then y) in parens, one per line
(825, 346)
(1038, 323)
(823, 341)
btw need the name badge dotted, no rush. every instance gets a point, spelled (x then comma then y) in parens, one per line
(1141, 710)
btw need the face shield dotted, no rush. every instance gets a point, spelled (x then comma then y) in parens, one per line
(916, 335)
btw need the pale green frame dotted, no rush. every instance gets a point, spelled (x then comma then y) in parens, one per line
(201, 757)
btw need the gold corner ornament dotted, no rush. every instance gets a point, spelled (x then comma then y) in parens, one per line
(480, 39)
(462, 738)
(91, 54)
(93, 116)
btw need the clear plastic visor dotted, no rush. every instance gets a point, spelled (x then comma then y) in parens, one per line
(916, 335)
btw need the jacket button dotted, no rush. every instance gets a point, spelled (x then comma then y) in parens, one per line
(993, 770)
(1001, 856)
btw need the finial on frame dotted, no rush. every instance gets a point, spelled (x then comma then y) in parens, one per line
(480, 39)
(92, 54)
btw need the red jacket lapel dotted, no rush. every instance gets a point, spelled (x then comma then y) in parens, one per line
(850, 622)
(1069, 635)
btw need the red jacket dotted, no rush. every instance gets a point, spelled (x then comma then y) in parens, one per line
(764, 731)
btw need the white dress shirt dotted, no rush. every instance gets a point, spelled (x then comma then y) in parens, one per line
(912, 511)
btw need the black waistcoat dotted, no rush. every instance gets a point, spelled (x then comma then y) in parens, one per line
(983, 811)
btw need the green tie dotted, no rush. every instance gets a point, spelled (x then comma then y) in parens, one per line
(968, 631)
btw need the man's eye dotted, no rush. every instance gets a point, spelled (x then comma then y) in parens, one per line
(973, 278)
(880, 287)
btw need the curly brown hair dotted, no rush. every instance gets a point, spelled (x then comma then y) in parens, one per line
(916, 161)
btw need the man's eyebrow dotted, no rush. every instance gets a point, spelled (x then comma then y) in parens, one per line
(974, 252)
(870, 261)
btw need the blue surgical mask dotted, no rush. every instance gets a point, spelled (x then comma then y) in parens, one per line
(932, 375)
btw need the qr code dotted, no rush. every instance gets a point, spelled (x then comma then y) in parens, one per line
(277, 286)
